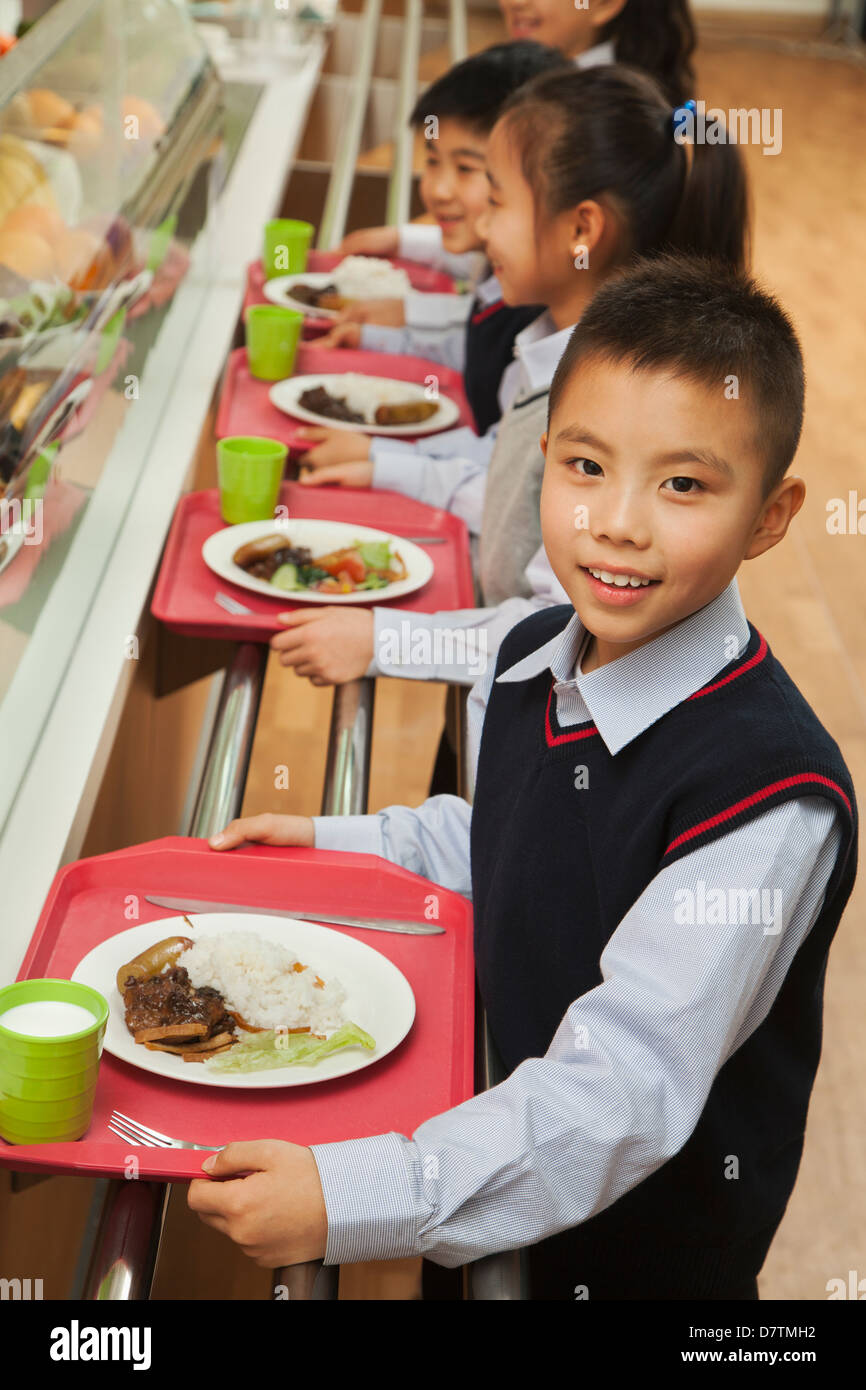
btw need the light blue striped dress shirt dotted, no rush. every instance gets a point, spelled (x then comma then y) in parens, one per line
(568, 1133)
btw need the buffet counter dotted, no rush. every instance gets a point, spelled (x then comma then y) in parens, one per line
(65, 681)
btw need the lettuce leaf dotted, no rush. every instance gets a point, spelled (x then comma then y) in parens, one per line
(272, 1049)
(375, 554)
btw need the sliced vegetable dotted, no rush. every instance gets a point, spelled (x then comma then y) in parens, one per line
(376, 554)
(281, 1049)
(286, 577)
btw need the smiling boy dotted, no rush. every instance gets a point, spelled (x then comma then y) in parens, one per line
(635, 746)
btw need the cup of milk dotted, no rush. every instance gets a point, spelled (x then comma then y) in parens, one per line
(51, 1036)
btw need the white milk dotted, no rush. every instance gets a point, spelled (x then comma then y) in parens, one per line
(47, 1018)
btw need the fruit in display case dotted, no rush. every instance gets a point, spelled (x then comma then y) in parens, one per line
(45, 115)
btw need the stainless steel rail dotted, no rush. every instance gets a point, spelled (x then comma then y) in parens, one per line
(457, 32)
(400, 183)
(336, 209)
(125, 1228)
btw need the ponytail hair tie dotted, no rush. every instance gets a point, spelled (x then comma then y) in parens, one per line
(680, 120)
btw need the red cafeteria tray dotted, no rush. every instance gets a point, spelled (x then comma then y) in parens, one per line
(421, 277)
(185, 588)
(245, 406)
(430, 1071)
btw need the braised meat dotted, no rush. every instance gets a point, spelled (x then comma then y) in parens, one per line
(169, 999)
(321, 402)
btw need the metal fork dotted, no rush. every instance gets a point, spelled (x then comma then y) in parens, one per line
(140, 1135)
(230, 604)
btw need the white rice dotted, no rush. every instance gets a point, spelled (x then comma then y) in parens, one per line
(256, 979)
(368, 277)
(364, 393)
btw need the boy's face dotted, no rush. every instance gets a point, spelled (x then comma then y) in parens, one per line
(453, 184)
(661, 479)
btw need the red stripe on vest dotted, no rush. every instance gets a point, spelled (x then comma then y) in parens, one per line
(552, 738)
(483, 314)
(798, 780)
(747, 665)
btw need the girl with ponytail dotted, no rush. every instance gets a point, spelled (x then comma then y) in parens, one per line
(585, 176)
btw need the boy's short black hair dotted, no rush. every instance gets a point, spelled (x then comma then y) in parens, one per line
(474, 91)
(707, 323)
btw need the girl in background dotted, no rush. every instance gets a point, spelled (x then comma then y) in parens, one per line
(585, 175)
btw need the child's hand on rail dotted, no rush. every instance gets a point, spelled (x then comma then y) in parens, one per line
(266, 829)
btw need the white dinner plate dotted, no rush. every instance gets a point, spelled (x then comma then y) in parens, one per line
(10, 543)
(279, 291)
(379, 998)
(320, 537)
(285, 396)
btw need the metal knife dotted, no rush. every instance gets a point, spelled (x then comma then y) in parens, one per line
(368, 923)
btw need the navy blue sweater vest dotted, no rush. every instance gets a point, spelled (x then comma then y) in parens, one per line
(490, 333)
(555, 868)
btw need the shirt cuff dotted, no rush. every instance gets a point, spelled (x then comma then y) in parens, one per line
(381, 444)
(393, 472)
(436, 311)
(379, 337)
(369, 1199)
(359, 834)
(420, 241)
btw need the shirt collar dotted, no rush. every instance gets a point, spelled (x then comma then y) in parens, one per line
(597, 55)
(489, 290)
(538, 347)
(663, 672)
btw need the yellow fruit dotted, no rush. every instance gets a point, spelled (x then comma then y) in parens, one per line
(150, 123)
(30, 256)
(34, 220)
(85, 132)
(48, 108)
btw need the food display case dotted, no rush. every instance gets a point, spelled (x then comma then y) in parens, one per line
(111, 156)
(134, 182)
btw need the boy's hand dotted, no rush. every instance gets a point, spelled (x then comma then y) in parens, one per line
(371, 241)
(344, 474)
(344, 335)
(389, 312)
(276, 1214)
(328, 645)
(333, 446)
(266, 829)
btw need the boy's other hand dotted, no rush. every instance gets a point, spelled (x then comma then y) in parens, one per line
(342, 335)
(333, 446)
(371, 241)
(390, 313)
(344, 474)
(327, 645)
(276, 1212)
(266, 829)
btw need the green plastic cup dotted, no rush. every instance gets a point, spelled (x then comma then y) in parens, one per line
(273, 334)
(249, 470)
(285, 247)
(47, 1083)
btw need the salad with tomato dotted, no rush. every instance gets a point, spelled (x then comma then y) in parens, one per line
(364, 565)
